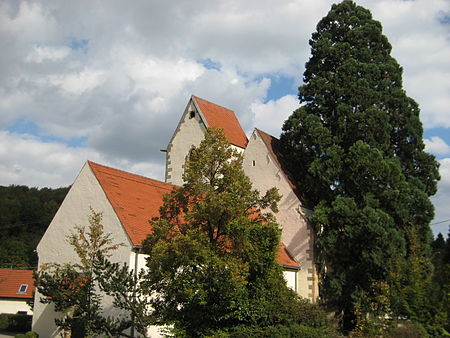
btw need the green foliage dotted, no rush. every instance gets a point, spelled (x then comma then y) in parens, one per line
(441, 279)
(15, 322)
(29, 334)
(276, 331)
(407, 329)
(76, 290)
(212, 254)
(25, 214)
(125, 287)
(415, 294)
(355, 148)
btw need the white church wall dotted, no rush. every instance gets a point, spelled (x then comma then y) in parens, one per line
(190, 132)
(296, 234)
(53, 247)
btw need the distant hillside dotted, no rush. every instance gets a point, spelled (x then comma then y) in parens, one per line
(25, 214)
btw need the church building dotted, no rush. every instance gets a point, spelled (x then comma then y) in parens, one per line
(128, 201)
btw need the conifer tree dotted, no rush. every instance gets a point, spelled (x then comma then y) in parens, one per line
(356, 151)
(77, 290)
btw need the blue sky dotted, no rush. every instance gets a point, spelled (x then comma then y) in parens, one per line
(81, 80)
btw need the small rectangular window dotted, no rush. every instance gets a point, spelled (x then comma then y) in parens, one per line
(192, 114)
(23, 288)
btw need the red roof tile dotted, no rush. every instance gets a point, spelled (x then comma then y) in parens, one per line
(135, 199)
(220, 117)
(284, 258)
(11, 280)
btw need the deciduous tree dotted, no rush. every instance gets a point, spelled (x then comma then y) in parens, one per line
(212, 254)
(77, 290)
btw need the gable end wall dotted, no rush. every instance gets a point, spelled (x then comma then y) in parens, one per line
(189, 132)
(296, 233)
(53, 247)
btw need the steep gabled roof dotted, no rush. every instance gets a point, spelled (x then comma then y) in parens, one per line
(219, 117)
(285, 259)
(12, 280)
(135, 199)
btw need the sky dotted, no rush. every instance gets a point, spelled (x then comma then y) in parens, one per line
(108, 81)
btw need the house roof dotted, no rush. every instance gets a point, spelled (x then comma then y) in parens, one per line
(220, 117)
(12, 280)
(137, 199)
(285, 259)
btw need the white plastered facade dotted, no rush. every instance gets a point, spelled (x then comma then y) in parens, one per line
(188, 134)
(85, 193)
(13, 306)
(264, 173)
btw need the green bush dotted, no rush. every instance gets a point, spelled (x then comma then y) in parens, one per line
(407, 329)
(276, 331)
(312, 315)
(4, 321)
(295, 330)
(15, 322)
(29, 334)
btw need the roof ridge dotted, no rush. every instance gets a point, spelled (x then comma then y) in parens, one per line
(218, 105)
(262, 131)
(217, 116)
(157, 183)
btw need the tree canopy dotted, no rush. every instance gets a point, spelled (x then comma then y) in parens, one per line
(356, 151)
(25, 214)
(212, 254)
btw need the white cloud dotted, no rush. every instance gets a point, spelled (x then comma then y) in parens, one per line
(441, 200)
(25, 160)
(44, 53)
(437, 146)
(421, 46)
(270, 116)
(77, 83)
(124, 89)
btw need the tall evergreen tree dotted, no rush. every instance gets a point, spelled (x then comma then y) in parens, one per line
(355, 148)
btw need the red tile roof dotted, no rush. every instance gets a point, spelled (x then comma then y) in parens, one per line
(135, 199)
(11, 280)
(220, 117)
(285, 259)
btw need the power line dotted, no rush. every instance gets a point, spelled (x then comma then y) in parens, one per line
(446, 220)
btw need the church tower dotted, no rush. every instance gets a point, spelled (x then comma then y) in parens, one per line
(199, 115)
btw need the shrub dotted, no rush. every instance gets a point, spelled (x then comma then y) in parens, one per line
(407, 329)
(29, 334)
(15, 322)
(276, 331)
